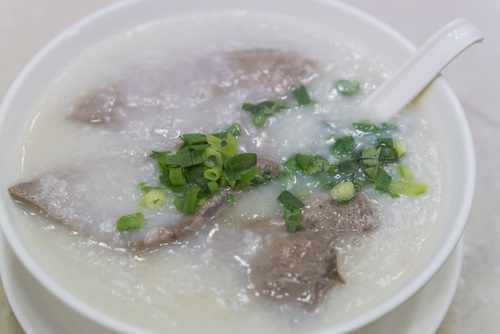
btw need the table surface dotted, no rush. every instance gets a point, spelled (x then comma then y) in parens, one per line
(26, 25)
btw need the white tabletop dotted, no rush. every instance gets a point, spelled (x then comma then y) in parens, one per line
(26, 25)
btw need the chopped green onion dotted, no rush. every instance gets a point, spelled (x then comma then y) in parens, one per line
(134, 221)
(383, 182)
(267, 107)
(344, 146)
(214, 158)
(312, 164)
(343, 192)
(345, 167)
(158, 154)
(302, 96)
(227, 147)
(293, 210)
(292, 219)
(153, 198)
(176, 176)
(213, 187)
(144, 187)
(186, 158)
(241, 162)
(288, 199)
(405, 173)
(400, 147)
(247, 177)
(214, 173)
(231, 146)
(194, 138)
(187, 203)
(366, 127)
(347, 87)
(408, 188)
(259, 120)
(389, 126)
(387, 152)
(234, 129)
(263, 110)
(370, 156)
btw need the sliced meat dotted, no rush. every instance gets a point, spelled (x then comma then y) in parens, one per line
(301, 267)
(295, 268)
(224, 79)
(90, 200)
(333, 220)
(324, 215)
(101, 107)
(264, 73)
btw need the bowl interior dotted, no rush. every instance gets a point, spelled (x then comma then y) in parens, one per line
(438, 104)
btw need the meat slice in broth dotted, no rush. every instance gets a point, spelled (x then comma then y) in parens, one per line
(263, 73)
(211, 82)
(295, 268)
(90, 200)
(333, 220)
(105, 106)
(300, 268)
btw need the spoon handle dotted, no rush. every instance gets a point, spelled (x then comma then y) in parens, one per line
(422, 68)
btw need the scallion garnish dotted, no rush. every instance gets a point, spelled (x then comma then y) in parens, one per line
(204, 165)
(302, 96)
(133, 221)
(214, 173)
(367, 127)
(405, 173)
(360, 166)
(293, 210)
(241, 162)
(187, 203)
(153, 198)
(347, 87)
(408, 188)
(311, 164)
(263, 110)
(343, 192)
(344, 146)
(400, 147)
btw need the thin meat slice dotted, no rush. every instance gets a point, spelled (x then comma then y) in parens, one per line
(324, 215)
(146, 95)
(263, 73)
(300, 268)
(296, 268)
(90, 200)
(105, 106)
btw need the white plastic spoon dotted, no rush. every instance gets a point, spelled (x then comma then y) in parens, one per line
(421, 69)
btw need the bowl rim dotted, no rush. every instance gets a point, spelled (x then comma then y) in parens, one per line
(414, 285)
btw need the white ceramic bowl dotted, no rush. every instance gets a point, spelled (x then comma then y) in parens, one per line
(389, 45)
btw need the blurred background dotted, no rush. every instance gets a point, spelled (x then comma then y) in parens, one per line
(26, 25)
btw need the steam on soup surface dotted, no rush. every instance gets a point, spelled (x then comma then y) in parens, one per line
(92, 133)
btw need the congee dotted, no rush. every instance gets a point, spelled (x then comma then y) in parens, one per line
(213, 172)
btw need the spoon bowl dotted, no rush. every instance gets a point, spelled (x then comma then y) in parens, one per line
(421, 69)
